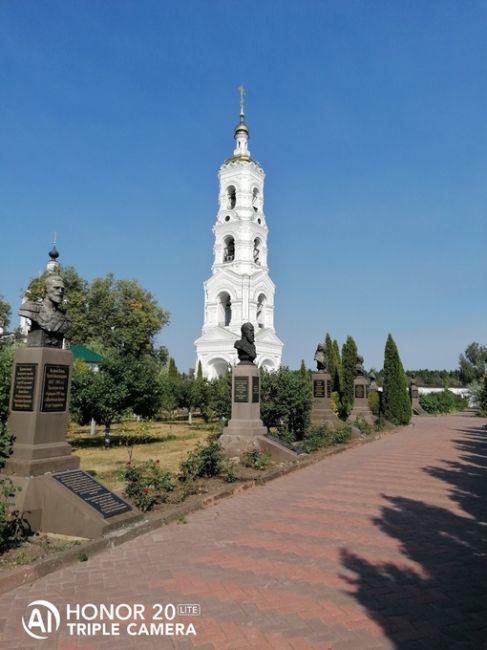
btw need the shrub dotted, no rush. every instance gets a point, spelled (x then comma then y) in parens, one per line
(285, 435)
(13, 526)
(483, 399)
(227, 470)
(316, 438)
(343, 434)
(203, 461)
(256, 459)
(362, 425)
(335, 402)
(147, 484)
(442, 402)
(374, 401)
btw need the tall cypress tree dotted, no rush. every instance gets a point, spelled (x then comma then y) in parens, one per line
(172, 370)
(349, 361)
(396, 402)
(330, 355)
(338, 376)
(199, 371)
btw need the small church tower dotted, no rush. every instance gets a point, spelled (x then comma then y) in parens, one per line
(240, 288)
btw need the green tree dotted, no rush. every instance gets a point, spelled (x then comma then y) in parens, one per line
(472, 363)
(173, 370)
(220, 396)
(338, 374)
(482, 403)
(121, 385)
(6, 363)
(286, 400)
(5, 313)
(123, 316)
(199, 371)
(170, 395)
(349, 362)
(396, 402)
(109, 315)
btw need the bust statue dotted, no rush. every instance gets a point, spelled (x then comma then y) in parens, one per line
(359, 367)
(246, 346)
(48, 321)
(321, 358)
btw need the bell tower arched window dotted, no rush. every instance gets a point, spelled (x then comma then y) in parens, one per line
(261, 300)
(224, 309)
(229, 249)
(255, 199)
(231, 197)
(257, 250)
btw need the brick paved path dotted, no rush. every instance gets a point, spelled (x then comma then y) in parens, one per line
(383, 546)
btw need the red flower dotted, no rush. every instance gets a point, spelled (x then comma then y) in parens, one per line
(146, 490)
(157, 461)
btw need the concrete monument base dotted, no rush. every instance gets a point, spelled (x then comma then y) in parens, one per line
(322, 411)
(39, 413)
(54, 495)
(361, 407)
(245, 430)
(245, 425)
(84, 509)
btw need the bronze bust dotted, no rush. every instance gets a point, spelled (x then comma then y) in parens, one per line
(48, 321)
(246, 346)
(321, 358)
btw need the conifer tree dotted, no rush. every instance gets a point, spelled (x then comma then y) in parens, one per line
(302, 370)
(337, 360)
(330, 355)
(172, 370)
(199, 372)
(349, 361)
(396, 402)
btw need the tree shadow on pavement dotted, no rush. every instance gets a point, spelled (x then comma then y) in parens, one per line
(438, 598)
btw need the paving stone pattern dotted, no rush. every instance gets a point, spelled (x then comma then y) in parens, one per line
(383, 546)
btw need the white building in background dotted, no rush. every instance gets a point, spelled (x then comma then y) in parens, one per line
(240, 288)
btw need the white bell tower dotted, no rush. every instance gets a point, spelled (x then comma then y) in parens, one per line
(240, 288)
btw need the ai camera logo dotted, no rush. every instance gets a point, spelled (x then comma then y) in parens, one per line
(42, 620)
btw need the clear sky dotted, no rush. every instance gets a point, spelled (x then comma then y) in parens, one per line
(369, 119)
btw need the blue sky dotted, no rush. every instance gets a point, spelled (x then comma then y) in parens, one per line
(369, 119)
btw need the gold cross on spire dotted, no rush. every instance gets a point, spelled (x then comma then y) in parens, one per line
(242, 95)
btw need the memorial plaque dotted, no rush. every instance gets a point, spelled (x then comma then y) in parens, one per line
(55, 388)
(93, 493)
(24, 386)
(359, 391)
(241, 389)
(318, 388)
(328, 388)
(255, 390)
(415, 393)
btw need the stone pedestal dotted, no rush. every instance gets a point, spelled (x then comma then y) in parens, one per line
(39, 415)
(361, 389)
(55, 496)
(414, 397)
(245, 430)
(245, 424)
(322, 411)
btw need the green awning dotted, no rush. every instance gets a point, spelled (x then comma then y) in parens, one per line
(85, 354)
